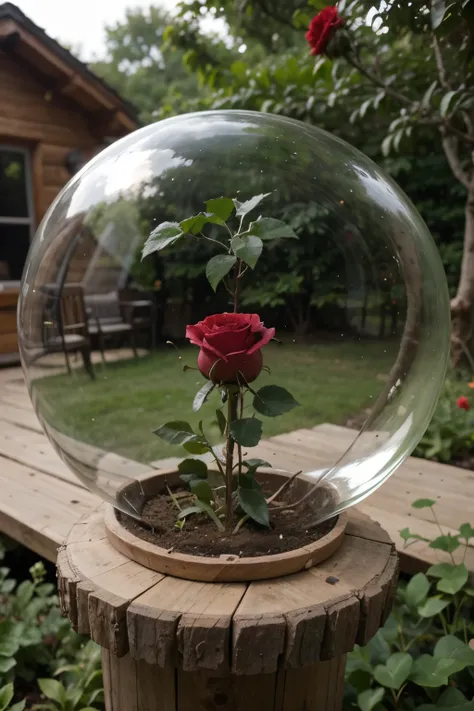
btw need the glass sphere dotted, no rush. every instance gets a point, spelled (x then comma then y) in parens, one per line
(282, 271)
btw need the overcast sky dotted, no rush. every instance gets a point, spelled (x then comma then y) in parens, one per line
(80, 24)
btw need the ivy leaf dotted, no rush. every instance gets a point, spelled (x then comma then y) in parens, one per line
(222, 207)
(176, 432)
(201, 490)
(269, 228)
(452, 581)
(369, 699)
(221, 421)
(432, 672)
(162, 236)
(466, 531)
(433, 606)
(196, 467)
(448, 543)
(218, 267)
(202, 395)
(273, 400)
(252, 499)
(248, 249)
(423, 503)
(246, 431)
(395, 672)
(242, 208)
(450, 647)
(417, 590)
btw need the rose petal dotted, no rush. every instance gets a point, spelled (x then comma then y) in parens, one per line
(266, 335)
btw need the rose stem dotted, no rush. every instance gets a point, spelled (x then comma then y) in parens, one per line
(232, 402)
(238, 269)
(241, 414)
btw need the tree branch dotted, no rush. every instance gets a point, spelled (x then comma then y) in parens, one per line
(450, 147)
(443, 79)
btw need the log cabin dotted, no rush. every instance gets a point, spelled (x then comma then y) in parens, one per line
(55, 114)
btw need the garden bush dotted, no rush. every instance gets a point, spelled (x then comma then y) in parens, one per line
(423, 657)
(44, 664)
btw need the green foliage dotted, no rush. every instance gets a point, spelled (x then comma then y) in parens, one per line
(421, 658)
(38, 647)
(450, 434)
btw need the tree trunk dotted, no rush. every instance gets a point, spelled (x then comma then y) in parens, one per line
(462, 306)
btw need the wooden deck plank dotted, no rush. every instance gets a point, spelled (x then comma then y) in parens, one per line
(40, 516)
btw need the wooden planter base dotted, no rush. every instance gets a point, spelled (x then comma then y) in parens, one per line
(178, 645)
(225, 568)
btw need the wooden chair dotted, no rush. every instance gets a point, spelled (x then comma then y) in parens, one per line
(107, 319)
(69, 317)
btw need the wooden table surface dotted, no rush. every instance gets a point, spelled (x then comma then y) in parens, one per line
(41, 499)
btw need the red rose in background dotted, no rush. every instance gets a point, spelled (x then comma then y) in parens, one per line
(463, 403)
(322, 28)
(230, 343)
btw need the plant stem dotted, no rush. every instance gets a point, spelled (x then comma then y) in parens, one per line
(232, 403)
(238, 269)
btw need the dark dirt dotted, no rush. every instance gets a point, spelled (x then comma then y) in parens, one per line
(290, 529)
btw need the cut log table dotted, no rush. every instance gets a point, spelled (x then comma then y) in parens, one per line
(177, 645)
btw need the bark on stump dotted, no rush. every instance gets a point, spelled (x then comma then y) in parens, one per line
(177, 645)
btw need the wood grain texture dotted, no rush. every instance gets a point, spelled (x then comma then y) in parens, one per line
(249, 629)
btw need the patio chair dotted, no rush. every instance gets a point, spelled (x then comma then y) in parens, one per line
(70, 333)
(108, 318)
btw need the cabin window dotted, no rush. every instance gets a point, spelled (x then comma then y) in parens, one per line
(16, 211)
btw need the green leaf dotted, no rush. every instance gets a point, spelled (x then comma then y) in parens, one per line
(432, 672)
(194, 224)
(6, 695)
(454, 580)
(446, 102)
(176, 432)
(253, 464)
(268, 228)
(202, 507)
(21, 705)
(221, 421)
(450, 647)
(218, 267)
(448, 543)
(222, 207)
(369, 699)
(10, 638)
(202, 395)
(386, 144)
(246, 431)
(433, 606)
(248, 249)
(466, 531)
(407, 535)
(201, 490)
(6, 663)
(438, 9)
(252, 500)
(53, 690)
(162, 236)
(196, 467)
(242, 208)
(423, 503)
(196, 446)
(395, 672)
(417, 590)
(273, 400)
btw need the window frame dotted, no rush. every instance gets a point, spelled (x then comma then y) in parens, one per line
(30, 220)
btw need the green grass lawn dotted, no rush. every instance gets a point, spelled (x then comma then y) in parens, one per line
(131, 398)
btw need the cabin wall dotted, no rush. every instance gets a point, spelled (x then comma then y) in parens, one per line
(49, 124)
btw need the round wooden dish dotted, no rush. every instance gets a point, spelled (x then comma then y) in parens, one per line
(225, 568)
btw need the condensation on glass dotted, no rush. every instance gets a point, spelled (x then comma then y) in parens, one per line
(365, 278)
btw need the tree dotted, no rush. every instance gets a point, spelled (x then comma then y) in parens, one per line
(407, 68)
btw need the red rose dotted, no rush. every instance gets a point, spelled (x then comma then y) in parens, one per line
(230, 343)
(463, 403)
(322, 28)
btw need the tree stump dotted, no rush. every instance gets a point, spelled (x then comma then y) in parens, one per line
(274, 645)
